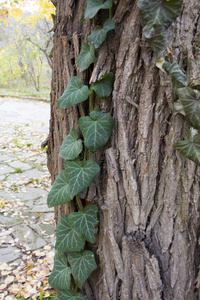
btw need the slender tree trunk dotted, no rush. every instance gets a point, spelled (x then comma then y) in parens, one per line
(147, 193)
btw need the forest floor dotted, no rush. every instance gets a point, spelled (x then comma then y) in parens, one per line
(27, 229)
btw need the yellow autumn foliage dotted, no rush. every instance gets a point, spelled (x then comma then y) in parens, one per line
(45, 9)
(3, 12)
(15, 9)
(15, 13)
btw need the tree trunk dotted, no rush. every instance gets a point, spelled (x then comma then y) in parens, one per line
(147, 193)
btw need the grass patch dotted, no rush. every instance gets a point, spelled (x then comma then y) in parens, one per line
(25, 92)
(18, 170)
(17, 143)
(41, 297)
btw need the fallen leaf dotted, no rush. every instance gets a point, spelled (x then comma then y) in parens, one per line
(9, 279)
(47, 247)
(8, 298)
(4, 273)
(27, 234)
(39, 253)
(3, 286)
(5, 266)
(14, 289)
(4, 233)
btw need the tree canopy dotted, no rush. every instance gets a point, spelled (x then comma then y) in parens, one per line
(25, 43)
(15, 8)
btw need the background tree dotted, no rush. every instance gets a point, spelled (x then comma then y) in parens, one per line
(25, 43)
(147, 193)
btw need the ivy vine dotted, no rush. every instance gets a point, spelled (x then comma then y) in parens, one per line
(156, 17)
(78, 227)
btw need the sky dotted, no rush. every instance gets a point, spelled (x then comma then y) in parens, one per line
(30, 6)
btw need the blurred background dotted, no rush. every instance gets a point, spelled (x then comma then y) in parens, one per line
(26, 33)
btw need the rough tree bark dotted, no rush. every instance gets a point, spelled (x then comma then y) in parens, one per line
(147, 193)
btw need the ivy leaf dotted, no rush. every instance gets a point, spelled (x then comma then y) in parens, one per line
(82, 264)
(191, 106)
(74, 93)
(84, 222)
(68, 239)
(177, 74)
(86, 56)
(99, 34)
(103, 87)
(96, 129)
(93, 6)
(190, 148)
(71, 146)
(80, 174)
(195, 83)
(156, 37)
(60, 276)
(69, 295)
(178, 108)
(162, 12)
(60, 191)
(156, 16)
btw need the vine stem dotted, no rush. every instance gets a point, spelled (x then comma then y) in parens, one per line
(76, 290)
(80, 205)
(85, 153)
(111, 12)
(91, 99)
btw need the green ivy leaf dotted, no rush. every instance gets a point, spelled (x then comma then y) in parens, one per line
(191, 106)
(60, 191)
(74, 93)
(162, 12)
(178, 108)
(82, 264)
(177, 74)
(69, 295)
(156, 17)
(156, 37)
(96, 129)
(80, 174)
(195, 83)
(71, 146)
(68, 239)
(85, 222)
(99, 34)
(86, 56)
(103, 87)
(93, 6)
(190, 148)
(60, 276)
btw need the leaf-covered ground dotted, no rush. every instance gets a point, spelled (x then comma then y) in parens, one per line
(24, 216)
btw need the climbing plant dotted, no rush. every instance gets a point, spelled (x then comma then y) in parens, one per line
(74, 230)
(72, 269)
(156, 17)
